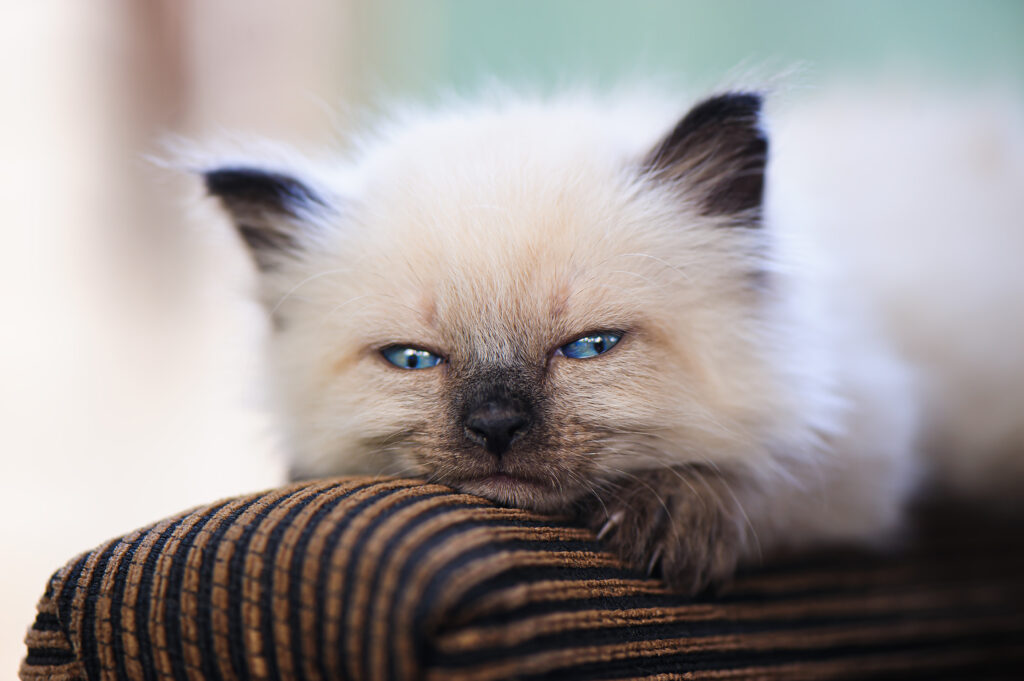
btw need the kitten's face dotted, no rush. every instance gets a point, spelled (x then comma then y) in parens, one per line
(429, 325)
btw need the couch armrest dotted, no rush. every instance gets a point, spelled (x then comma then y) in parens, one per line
(360, 578)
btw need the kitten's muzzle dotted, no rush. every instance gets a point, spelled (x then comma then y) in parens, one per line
(495, 423)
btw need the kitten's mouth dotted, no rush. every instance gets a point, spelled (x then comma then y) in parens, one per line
(502, 481)
(513, 490)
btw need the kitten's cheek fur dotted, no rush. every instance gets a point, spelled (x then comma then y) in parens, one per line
(686, 525)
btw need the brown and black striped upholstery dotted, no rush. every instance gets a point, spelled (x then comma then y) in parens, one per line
(397, 579)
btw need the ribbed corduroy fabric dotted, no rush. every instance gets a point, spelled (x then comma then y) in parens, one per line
(398, 579)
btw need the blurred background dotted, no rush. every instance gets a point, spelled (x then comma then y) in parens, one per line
(129, 351)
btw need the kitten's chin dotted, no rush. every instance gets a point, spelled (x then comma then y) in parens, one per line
(510, 490)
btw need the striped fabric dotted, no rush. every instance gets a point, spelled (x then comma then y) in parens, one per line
(397, 579)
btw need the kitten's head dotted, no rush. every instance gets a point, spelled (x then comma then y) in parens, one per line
(520, 300)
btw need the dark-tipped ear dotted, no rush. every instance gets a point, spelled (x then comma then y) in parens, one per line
(716, 155)
(269, 209)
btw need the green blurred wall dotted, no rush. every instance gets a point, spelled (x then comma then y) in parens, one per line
(417, 46)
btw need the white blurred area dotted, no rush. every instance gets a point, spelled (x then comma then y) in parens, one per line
(128, 349)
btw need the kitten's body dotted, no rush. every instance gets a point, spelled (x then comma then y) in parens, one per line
(782, 366)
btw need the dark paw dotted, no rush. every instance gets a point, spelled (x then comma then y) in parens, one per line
(685, 526)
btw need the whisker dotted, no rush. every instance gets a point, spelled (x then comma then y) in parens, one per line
(661, 500)
(660, 261)
(305, 281)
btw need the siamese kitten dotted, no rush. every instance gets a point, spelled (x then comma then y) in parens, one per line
(708, 349)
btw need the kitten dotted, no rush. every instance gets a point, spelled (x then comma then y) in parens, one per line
(585, 305)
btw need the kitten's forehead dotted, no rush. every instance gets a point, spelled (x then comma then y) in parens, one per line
(498, 183)
(509, 258)
(512, 232)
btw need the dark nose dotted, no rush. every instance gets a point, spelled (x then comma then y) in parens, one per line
(494, 424)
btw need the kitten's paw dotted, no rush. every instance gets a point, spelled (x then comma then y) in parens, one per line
(684, 525)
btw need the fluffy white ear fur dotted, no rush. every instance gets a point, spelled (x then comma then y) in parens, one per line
(867, 330)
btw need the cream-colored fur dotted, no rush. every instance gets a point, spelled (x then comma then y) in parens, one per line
(868, 333)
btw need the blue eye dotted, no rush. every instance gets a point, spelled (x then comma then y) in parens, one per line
(591, 345)
(404, 357)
